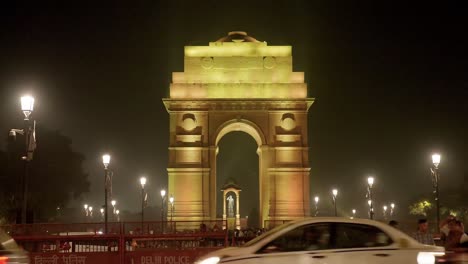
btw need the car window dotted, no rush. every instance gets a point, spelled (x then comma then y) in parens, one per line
(307, 237)
(358, 236)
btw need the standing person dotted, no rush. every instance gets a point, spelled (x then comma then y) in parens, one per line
(422, 235)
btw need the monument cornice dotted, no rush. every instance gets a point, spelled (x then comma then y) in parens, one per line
(183, 105)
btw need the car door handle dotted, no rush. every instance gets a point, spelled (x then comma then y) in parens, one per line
(318, 257)
(381, 255)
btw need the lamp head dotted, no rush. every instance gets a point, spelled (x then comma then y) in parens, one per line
(27, 105)
(171, 199)
(143, 182)
(85, 206)
(113, 202)
(436, 159)
(90, 208)
(392, 205)
(354, 211)
(117, 211)
(106, 160)
(163, 193)
(335, 192)
(370, 181)
(385, 208)
(102, 210)
(316, 199)
(369, 202)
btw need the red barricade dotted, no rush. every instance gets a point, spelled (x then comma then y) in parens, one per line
(152, 243)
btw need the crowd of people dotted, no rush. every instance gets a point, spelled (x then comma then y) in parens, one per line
(452, 234)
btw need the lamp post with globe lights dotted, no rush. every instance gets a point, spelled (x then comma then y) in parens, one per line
(435, 182)
(354, 213)
(316, 199)
(142, 182)
(171, 200)
(113, 203)
(106, 160)
(29, 132)
(335, 193)
(385, 212)
(117, 212)
(392, 209)
(370, 183)
(163, 198)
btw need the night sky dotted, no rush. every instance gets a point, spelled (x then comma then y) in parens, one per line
(390, 84)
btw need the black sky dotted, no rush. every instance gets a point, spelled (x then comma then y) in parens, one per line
(390, 85)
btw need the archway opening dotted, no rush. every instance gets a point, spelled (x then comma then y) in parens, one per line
(237, 160)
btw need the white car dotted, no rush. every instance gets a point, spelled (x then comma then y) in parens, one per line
(329, 240)
(10, 252)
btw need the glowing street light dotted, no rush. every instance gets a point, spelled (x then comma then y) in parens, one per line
(106, 160)
(435, 182)
(85, 206)
(385, 211)
(117, 212)
(370, 183)
(392, 209)
(113, 203)
(163, 197)
(171, 200)
(90, 208)
(335, 193)
(27, 106)
(142, 182)
(354, 213)
(316, 199)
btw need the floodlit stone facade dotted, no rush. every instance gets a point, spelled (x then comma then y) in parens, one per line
(239, 84)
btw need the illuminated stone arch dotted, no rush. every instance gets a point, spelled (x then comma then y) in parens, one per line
(240, 125)
(239, 84)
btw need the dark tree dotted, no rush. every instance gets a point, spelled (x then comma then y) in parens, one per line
(55, 176)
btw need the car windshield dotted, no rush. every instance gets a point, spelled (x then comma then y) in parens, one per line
(267, 234)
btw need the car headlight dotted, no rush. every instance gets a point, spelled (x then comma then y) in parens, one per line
(211, 260)
(428, 257)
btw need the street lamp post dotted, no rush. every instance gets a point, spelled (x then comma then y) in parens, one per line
(171, 200)
(113, 202)
(86, 209)
(316, 199)
(163, 197)
(354, 213)
(335, 193)
(90, 208)
(371, 209)
(392, 209)
(142, 182)
(27, 106)
(435, 182)
(117, 212)
(106, 161)
(385, 212)
(370, 183)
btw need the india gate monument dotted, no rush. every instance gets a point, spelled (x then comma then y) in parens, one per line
(238, 83)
